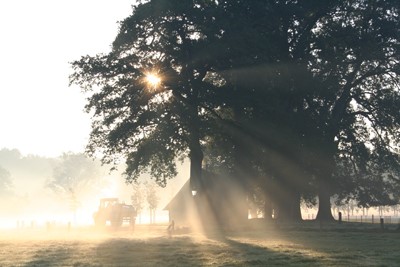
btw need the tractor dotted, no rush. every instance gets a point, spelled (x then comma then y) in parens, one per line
(111, 210)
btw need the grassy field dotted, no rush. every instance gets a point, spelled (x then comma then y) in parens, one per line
(150, 246)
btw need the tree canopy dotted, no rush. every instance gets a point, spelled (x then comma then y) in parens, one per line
(300, 98)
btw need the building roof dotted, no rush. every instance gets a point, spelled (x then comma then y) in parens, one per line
(184, 194)
(209, 181)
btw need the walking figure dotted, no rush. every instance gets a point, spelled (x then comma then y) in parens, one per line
(171, 228)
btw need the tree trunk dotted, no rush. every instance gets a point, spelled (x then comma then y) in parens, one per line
(324, 205)
(325, 177)
(289, 207)
(295, 211)
(285, 199)
(242, 173)
(196, 159)
(268, 207)
(196, 152)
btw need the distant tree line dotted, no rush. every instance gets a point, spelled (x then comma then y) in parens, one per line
(293, 99)
(5, 182)
(145, 192)
(67, 179)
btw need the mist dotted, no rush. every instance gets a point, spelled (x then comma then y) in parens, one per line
(66, 190)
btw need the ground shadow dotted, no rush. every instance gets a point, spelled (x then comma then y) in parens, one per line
(246, 254)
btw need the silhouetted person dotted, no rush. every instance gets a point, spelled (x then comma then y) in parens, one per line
(171, 228)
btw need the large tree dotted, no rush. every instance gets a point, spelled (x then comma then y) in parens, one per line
(322, 92)
(305, 94)
(151, 126)
(357, 57)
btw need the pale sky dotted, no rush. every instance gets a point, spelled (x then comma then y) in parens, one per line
(39, 113)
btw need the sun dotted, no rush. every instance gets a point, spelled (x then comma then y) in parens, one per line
(153, 80)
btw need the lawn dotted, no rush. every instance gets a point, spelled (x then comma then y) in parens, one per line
(150, 246)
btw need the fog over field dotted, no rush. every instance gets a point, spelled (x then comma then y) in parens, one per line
(68, 189)
(199, 133)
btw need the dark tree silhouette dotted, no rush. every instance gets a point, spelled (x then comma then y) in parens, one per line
(299, 98)
(151, 126)
(323, 93)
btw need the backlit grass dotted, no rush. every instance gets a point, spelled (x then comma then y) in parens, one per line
(266, 247)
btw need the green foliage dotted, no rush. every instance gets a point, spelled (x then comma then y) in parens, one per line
(149, 127)
(297, 95)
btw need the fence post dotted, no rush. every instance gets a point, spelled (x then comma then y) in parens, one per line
(372, 218)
